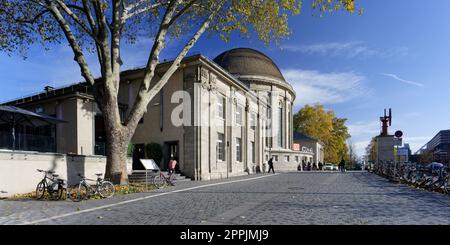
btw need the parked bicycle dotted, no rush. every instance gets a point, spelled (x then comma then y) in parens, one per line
(432, 177)
(161, 179)
(84, 190)
(51, 185)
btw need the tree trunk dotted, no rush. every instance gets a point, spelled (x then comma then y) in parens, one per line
(116, 157)
(117, 138)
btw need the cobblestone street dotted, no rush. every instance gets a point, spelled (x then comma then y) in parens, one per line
(286, 198)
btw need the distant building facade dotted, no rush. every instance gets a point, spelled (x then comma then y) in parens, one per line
(404, 154)
(312, 150)
(438, 146)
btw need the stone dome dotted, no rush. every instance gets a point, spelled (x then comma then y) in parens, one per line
(248, 62)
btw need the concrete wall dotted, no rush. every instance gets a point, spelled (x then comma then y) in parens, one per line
(159, 129)
(85, 127)
(283, 164)
(18, 169)
(66, 133)
(385, 148)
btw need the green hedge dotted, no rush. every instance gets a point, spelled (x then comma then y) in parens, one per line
(130, 150)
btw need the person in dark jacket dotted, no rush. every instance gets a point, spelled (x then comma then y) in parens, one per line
(342, 165)
(271, 165)
(320, 166)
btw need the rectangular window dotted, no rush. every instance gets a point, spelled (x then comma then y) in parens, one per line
(253, 121)
(296, 158)
(122, 114)
(280, 128)
(221, 107)
(275, 158)
(253, 150)
(238, 149)
(286, 158)
(239, 115)
(220, 147)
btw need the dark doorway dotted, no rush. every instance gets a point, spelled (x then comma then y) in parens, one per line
(138, 154)
(100, 136)
(170, 149)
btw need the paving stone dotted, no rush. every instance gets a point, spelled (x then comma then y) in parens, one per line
(287, 198)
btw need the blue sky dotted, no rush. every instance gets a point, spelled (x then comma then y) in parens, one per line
(395, 55)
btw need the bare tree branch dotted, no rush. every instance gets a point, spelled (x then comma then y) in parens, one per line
(32, 20)
(90, 18)
(77, 20)
(128, 13)
(78, 52)
(116, 33)
(103, 35)
(144, 97)
(182, 11)
(158, 45)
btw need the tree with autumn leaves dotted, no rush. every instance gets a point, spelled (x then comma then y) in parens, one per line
(104, 27)
(324, 125)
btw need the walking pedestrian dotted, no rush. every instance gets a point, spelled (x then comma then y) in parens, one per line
(320, 166)
(342, 165)
(270, 163)
(172, 165)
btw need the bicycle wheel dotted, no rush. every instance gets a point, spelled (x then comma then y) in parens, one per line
(172, 179)
(106, 189)
(82, 192)
(446, 186)
(40, 190)
(72, 193)
(56, 195)
(158, 181)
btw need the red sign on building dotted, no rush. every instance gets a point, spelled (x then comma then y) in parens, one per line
(296, 147)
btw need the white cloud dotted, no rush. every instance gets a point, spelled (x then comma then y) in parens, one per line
(360, 147)
(364, 128)
(403, 80)
(411, 114)
(416, 142)
(325, 88)
(350, 49)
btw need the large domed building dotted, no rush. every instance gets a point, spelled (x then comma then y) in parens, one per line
(219, 118)
(263, 77)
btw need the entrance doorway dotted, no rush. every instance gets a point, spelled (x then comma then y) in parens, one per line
(171, 149)
(138, 154)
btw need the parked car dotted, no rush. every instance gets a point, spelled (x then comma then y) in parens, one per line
(328, 167)
(335, 168)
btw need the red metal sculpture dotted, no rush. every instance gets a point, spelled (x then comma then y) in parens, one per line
(385, 121)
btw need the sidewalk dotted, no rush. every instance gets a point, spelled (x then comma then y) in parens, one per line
(19, 211)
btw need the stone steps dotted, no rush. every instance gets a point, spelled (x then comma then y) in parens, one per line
(142, 175)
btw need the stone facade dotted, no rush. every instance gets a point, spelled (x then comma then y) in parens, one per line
(385, 148)
(216, 124)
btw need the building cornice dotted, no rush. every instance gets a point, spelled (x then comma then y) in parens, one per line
(269, 80)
